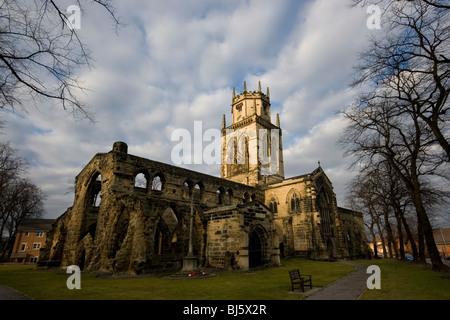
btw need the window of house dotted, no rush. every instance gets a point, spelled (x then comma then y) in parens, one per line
(36, 246)
(39, 234)
(33, 259)
(27, 234)
(23, 247)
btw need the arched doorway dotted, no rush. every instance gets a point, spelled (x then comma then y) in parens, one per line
(256, 248)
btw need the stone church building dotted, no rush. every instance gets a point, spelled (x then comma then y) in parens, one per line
(137, 215)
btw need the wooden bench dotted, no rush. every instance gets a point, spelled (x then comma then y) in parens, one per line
(297, 279)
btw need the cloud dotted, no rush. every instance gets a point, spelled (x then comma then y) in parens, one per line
(321, 144)
(176, 62)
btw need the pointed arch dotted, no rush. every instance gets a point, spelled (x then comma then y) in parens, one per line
(294, 201)
(273, 203)
(198, 191)
(220, 193)
(166, 233)
(158, 182)
(258, 246)
(141, 179)
(324, 206)
(94, 190)
(186, 189)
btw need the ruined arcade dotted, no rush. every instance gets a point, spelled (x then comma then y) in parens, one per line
(137, 215)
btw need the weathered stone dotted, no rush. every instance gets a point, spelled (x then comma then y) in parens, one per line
(132, 214)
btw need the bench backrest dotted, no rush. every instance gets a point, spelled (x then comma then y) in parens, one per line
(294, 274)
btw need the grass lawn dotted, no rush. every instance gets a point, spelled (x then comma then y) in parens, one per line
(399, 281)
(408, 281)
(264, 284)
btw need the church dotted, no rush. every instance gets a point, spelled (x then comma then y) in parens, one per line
(135, 215)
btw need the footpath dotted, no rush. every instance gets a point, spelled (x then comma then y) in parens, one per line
(7, 293)
(349, 287)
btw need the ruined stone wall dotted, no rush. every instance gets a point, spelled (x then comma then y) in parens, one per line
(119, 224)
(132, 214)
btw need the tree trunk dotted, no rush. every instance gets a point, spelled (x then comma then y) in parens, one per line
(391, 241)
(424, 224)
(400, 237)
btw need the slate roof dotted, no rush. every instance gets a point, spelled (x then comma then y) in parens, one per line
(34, 225)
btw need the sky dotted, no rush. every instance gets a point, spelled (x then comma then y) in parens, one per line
(176, 62)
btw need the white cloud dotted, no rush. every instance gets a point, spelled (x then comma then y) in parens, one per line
(176, 62)
(320, 144)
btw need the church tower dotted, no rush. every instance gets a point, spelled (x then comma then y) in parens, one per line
(252, 151)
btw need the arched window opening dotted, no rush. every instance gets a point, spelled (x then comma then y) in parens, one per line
(229, 196)
(97, 199)
(246, 197)
(94, 193)
(162, 241)
(273, 205)
(140, 181)
(198, 192)
(325, 214)
(246, 154)
(235, 151)
(157, 183)
(220, 196)
(295, 203)
(186, 190)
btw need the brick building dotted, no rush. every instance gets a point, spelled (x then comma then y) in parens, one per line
(30, 238)
(442, 239)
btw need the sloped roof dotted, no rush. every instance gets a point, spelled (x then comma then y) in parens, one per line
(34, 225)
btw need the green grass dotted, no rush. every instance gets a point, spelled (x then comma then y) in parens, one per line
(409, 281)
(264, 284)
(399, 281)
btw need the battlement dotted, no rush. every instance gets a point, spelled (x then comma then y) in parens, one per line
(251, 94)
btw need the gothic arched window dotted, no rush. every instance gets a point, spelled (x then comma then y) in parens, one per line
(273, 205)
(295, 203)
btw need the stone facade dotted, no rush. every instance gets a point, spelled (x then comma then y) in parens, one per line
(135, 215)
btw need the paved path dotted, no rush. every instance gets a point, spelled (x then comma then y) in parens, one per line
(350, 287)
(7, 293)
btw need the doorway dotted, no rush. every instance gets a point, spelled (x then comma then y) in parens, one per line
(255, 254)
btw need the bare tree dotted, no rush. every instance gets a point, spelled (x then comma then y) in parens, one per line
(19, 198)
(380, 132)
(410, 62)
(443, 4)
(40, 54)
